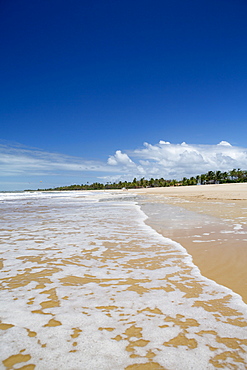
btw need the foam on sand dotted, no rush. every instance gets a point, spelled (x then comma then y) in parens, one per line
(86, 284)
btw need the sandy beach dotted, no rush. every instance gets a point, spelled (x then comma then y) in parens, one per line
(213, 228)
(86, 283)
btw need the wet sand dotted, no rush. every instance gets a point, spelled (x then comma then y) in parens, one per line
(91, 286)
(213, 228)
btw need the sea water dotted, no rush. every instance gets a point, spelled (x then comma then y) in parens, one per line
(86, 284)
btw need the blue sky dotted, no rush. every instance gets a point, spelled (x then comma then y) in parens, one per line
(84, 84)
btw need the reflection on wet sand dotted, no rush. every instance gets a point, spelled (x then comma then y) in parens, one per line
(211, 223)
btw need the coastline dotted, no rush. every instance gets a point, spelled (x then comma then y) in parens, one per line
(211, 225)
(84, 277)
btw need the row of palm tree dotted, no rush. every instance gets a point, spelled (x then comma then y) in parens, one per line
(211, 177)
(217, 177)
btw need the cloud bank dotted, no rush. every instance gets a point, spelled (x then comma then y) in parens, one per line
(178, 160)
(170, 161)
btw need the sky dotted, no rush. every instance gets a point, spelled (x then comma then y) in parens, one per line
(109, 90)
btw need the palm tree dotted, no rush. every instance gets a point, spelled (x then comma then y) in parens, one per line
(203, 179)
(210, 176)
(192, 181)
(225, 176)
(185, 181)
(233, 174)
(218, 176)
(239, 174)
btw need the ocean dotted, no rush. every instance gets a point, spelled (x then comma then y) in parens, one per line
(87, 284)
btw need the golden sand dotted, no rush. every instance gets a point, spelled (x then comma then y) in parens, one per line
(223, 260)
(127, 268)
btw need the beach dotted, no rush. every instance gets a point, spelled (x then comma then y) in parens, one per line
(88, 283)
(218, 241)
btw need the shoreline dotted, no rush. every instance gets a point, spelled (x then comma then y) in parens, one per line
(84, 277)
(212, 227)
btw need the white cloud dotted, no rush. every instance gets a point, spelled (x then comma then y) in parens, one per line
(224, 143)
(178, 160)
(164, 142)
(22, 165)
(119, 158)
(17, 160)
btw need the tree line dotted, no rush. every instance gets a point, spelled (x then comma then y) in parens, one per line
(211, 177)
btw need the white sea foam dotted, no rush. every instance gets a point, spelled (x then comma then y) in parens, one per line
(86, 284)
(203, 241)
(238, 227)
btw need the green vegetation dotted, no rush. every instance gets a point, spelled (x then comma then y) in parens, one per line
(210, 177)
